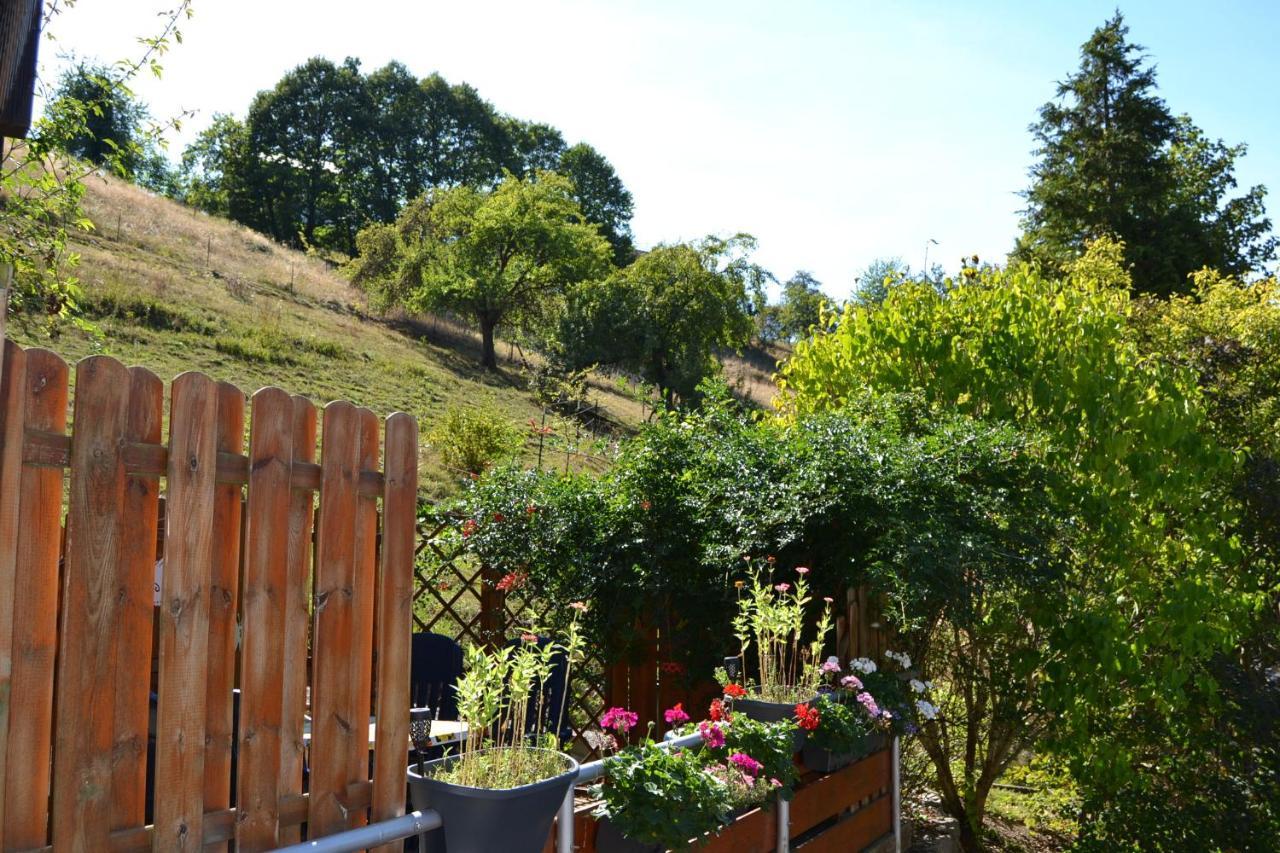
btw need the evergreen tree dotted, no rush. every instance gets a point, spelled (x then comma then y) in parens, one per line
(1114, 161)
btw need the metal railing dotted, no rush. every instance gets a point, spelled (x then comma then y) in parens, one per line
(418, 822)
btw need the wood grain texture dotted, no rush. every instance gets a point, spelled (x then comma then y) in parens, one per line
(364, 598)
(832, 794)
(184, 614)
(85, 711)
(35, 618)
(855, 832)
(266, 577)
(13, 375)
(224, 590)
(136, 599)
(395, 619)
(333, 729)
(297, 608)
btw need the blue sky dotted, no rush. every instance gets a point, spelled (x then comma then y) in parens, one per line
(835, 132)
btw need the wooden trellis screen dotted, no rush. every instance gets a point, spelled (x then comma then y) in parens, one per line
(240, 606)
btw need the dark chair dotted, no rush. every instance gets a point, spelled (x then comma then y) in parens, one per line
(553, 694)
(434, 672)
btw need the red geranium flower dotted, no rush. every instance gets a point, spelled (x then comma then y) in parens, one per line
(735, 691)
(469, 527)
(807, 718)
(717, 712)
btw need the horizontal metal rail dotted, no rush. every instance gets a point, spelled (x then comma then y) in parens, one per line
(414, 823)
(419, 822)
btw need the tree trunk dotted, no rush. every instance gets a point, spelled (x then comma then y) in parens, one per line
(489, 357)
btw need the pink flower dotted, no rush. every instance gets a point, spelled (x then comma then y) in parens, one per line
(869, 703)
(830, 666)
(782, 587)
(802, 570)
(851, 682)
(619, 719)
(675, 716)
(746, 763)
(712, 734)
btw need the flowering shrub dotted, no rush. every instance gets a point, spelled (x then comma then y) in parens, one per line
(770, 619)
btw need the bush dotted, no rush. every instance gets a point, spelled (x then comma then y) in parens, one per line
(472, 440)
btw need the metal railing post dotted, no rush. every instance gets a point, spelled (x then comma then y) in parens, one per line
(564, 824)
(784, 825)
(897, 799)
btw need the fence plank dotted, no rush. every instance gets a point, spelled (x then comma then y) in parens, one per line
(224, 589)
(297, 608)
(86, 659)
(13, 375)
(395, 618)
(365, 578)
(137, 610)
(266, 577)
(184, 613)
(332, 728)
(35, 618)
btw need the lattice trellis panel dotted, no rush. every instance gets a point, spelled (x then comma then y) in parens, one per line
(456, 596)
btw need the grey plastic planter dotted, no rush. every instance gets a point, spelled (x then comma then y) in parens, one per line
(610, 840)
(825, 761)
(772, 712)
(483, 820)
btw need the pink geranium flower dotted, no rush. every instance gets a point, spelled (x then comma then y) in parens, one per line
(620, 720)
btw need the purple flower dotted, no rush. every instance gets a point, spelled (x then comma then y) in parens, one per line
(619, 719)
(712, 734)
(746, 763)
(869, 703)
(851, 682)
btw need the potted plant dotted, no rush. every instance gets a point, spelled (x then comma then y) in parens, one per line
(844, 732)
(500, 791)
(657, 799)
(739, 764)
(770, 620)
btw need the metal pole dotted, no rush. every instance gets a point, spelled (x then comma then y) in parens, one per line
(414, 823)
(784, 825)
(897, 799)
(564, 824)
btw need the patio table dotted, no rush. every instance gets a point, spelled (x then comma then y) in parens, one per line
(443, 732)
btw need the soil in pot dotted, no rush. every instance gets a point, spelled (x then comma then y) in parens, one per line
(482, 820)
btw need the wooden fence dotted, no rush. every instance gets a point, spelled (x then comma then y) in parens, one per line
(252, 598)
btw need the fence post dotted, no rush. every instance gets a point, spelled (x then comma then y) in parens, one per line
(897, 799)
(493, 604)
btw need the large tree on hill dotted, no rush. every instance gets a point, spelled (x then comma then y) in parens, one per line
(802, 304)
(497, 256)
(664, 317)
(110, 118)
(1113, 160)
(603, 197)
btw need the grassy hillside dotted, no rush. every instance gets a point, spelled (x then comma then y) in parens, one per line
(173, 289)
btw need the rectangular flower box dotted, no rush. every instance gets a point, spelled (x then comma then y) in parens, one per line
(848, 810)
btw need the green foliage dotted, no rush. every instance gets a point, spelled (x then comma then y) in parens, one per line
(643, 784)
(842, 727)
(602, 197)
(1126, 581)
(664, 317)
(332, 148)
(1113, 161)
(802, 307)
(471, 440)
(772, 744)
(94, 115)
(498, 257)
(771, 619)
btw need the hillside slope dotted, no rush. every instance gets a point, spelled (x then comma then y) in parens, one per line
(173, 289)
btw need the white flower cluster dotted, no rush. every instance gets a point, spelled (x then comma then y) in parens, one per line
(862, 665)
(902, 658)
(928, 710)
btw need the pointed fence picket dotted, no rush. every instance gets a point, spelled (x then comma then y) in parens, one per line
(105, 747)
